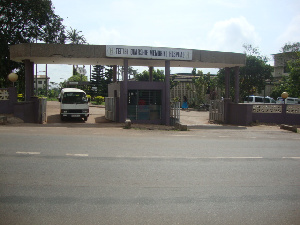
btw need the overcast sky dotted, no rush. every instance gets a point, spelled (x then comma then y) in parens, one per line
(220, 25)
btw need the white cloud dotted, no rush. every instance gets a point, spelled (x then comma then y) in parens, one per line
(230, 35)
(291, 33)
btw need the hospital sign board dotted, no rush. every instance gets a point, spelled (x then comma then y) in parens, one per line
(121, 51)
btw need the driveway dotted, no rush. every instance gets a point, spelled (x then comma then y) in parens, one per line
(97, 115)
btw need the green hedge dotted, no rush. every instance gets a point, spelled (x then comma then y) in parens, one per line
(99, 100)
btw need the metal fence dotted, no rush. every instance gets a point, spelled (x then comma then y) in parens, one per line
(174, 113)
(216, 111)
(110, 108)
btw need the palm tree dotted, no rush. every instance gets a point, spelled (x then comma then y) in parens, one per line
(74, 37)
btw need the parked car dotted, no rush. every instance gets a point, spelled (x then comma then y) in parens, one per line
(259, 99)
(288, 100)
(269, 100)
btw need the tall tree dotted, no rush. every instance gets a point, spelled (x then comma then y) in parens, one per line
(78, 78)
(294, 76)
(201, 86)
(97, 75)
(291, 47)
(74, 37)
(24, 21)
(101, 77)
(253, 75)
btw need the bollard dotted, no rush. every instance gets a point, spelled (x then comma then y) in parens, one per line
(127, 124)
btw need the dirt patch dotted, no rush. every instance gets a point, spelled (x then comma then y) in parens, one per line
(11, 119)
(97, 114)
(194, 117)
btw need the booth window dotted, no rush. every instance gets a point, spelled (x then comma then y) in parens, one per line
(144, 104)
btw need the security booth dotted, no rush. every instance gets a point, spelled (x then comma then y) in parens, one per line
(145, 101)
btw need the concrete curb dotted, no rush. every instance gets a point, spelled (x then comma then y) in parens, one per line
(290, 128)
(215, 126)
(181, 127)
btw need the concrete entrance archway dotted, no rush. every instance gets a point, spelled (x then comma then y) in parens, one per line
(125, 56)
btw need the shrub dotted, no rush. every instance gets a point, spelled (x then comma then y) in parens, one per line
(88, 97)
(20, 97)
(99, 100)
(176, 99)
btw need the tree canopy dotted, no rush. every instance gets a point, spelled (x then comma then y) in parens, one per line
(158, 75)
(77, 77)
(101, 77)
(291, 47)
(74, 37)
(253, 75)
(201, 83)
(24, 21)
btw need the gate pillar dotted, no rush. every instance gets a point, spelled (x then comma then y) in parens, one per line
(29, 79)
(227, 82)
(236, 84)
(124, 93)
(167, 92)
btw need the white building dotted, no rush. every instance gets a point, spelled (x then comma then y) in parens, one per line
(41, 82)
(281, 64)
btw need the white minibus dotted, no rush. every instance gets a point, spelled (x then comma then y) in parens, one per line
(73, 104)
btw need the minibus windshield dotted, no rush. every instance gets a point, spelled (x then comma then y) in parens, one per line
(74, 98)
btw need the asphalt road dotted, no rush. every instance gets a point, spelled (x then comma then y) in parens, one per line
(108, 175)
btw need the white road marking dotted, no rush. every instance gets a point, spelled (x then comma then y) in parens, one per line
(229, 157)
(168, 157)
(258, 157)
(184, 157)
(291, 157)
(79, 155)
(224, 136)
(28, 153)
